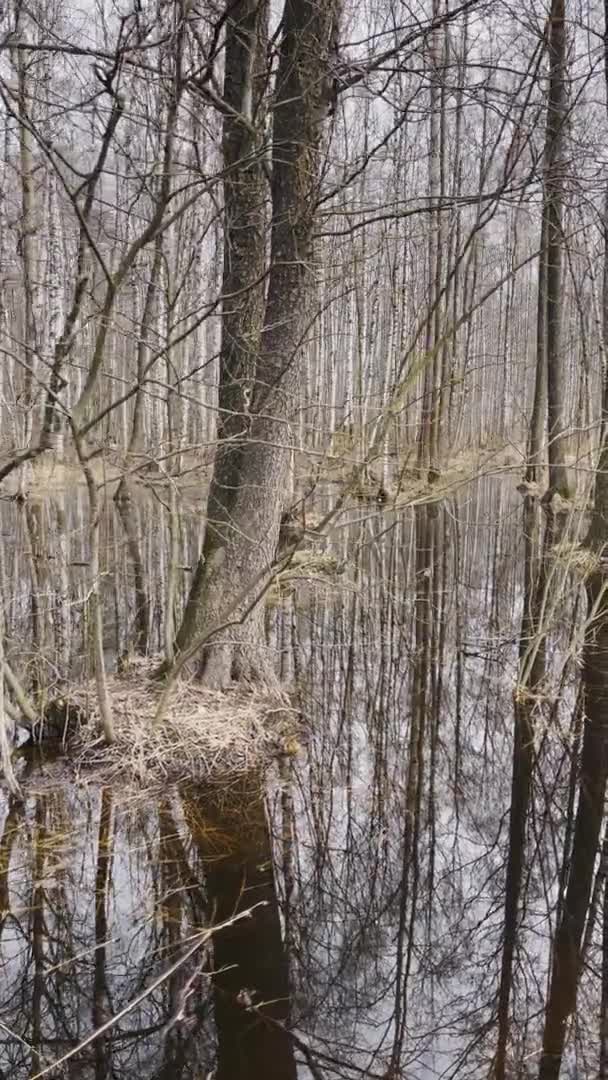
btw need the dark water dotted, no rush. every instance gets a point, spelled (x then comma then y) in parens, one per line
(372, 864)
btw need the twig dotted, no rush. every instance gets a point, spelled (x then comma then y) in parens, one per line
(23, 701)
(5, 722)
(201, 939)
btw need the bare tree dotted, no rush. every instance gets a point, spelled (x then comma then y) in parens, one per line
(244, 540)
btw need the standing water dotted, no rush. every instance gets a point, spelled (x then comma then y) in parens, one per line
(341, 916)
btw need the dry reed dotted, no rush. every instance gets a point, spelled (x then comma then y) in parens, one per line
(206, 735)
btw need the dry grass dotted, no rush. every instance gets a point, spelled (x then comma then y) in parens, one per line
(206, 736)
(577, 558)
(305, 569)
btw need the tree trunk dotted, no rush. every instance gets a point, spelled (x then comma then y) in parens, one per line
(251, 472)
(567, 956)
(552, 250)
(536, 435)
(136, 438)
(28, 246)
(603, 1071)
(429, 434)
(566, 963)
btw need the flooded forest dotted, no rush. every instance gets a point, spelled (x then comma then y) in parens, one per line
(303, 539)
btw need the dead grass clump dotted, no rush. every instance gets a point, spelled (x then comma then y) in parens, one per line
(305, 568)
(575, 557)
(206, 735)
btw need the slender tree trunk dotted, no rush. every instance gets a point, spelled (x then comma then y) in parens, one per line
(567, 952)
(552, 249)
(439, 271)
(566, 963)
(136, 438)
(128, 513)
(426, 529)
(429, 434)
(27, 241)
(531, 673)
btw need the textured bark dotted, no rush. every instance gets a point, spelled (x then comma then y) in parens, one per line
(566, 961)
(127, 512)
(552, 251)
(567, 953)
(429, 431)
(251, 474)
(28, 245)
(136, 439)
(536, 435)
(243, 281)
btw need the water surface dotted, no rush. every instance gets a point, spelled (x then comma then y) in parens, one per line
(372, 862)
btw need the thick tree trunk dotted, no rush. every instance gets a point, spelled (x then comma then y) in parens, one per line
(251, 472)
(245, 87)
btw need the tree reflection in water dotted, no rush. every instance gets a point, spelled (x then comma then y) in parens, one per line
(374, 861)
(101, 895)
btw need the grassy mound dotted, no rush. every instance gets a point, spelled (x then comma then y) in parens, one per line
(206, 735)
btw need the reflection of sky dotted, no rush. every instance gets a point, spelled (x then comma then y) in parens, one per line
(355, 650)
(350, 844)
(132, 959)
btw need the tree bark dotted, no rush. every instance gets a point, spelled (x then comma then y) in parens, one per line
(603, 1071)
(552, 250)
(566, 962)
(28, 245)
(429, 432)
(536, 435)
(567, 953)
(251, 473)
